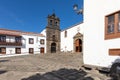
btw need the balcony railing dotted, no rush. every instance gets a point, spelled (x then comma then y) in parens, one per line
(10, 43)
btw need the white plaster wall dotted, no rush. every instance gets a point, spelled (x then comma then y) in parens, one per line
(95, 46)
(36, 44)
(68, 41)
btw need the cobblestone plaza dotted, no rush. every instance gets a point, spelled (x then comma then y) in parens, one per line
(45, 67)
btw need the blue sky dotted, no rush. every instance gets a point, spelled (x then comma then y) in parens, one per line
(31, 15)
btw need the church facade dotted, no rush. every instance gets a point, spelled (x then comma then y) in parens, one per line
(67, 40)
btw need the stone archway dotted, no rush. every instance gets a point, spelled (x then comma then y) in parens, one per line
(53, 47)
(78, 42)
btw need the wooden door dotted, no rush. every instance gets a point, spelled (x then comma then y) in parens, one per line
(42, 50)
(78, 45)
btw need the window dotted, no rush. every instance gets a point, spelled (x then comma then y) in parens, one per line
(31, 41)
(65, 34)
(18, 39)
(2, 38)
(53, 37)
(18, 50)
(42, 41)
(2, 50)
(50, 22)
(31, 50)
(112, 25)
(119, 22)
(114, 52)
(56, 23)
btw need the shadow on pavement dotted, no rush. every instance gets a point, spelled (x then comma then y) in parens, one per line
(4, 60)
(61, 74)
(2, 71)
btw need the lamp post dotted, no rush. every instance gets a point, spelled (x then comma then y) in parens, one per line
(78, 11)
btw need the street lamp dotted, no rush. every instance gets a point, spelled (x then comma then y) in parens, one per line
(78, 11)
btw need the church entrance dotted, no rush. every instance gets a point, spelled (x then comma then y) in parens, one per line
(78, 45)
(53, 47)
(78, 42)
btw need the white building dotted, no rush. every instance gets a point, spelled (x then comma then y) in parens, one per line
(101, 32)
(71, 38)
(21, 43)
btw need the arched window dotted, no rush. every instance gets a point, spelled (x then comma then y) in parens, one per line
(56, 23)
(50, 22)
(65, 34)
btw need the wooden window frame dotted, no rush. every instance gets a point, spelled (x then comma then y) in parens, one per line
(2, 38)
(2, 50)
(114, 52)
(116, 33)
(31, 50)
(31, 42)
(17, 50)
(18, 39)
(42, 41)
(65, 34)
(118, 22)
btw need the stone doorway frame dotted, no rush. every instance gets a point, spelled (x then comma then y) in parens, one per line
(76, 37)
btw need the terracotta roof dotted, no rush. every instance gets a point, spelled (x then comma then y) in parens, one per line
(17, 33)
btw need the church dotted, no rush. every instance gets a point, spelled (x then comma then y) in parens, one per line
(67, 40)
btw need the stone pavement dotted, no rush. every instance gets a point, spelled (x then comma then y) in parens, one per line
(45, 67)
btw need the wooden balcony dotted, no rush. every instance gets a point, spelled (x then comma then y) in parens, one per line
(11, 43)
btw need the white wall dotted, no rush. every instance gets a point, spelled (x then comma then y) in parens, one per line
(95, 46)
(36, 44)
(68, 41)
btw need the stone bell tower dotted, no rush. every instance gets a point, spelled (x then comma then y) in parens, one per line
(53, 34)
